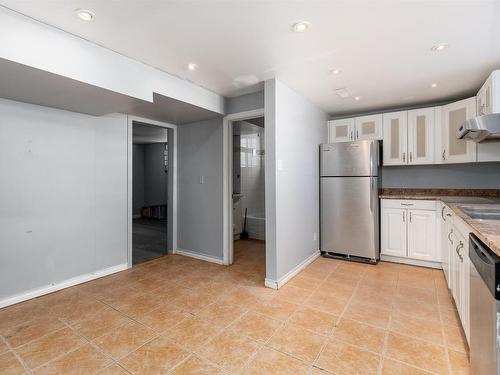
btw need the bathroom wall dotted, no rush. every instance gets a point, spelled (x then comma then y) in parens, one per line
(248, 163)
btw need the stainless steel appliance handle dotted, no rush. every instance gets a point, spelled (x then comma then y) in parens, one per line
(371, 194)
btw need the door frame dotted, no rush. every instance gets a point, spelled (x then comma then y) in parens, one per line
(227, 191)
(171, 212)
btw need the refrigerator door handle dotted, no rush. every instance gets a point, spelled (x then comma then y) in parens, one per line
(371, 194)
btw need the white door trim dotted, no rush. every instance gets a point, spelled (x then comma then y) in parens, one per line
(130, 121)
(227, 191)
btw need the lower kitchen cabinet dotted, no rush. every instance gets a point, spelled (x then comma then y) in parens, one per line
(409, 230)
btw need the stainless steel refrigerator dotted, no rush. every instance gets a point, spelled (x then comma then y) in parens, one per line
(349, 204)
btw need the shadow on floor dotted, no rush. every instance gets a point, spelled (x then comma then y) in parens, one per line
(149, 239)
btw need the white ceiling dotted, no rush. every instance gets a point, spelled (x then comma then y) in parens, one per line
(382, 47)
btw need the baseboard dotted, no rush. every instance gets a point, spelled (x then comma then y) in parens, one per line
(192, 254)
(270, 283)
(61, 285)
(273, 284)
(412, 262)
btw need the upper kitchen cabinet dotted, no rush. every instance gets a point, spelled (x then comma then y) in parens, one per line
(421, 136)
(488, 97)
(454, 150)
(395, 138)
(341, 130)
(355, 129)
(368, 128)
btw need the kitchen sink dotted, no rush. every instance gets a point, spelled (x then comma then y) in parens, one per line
(482, 213)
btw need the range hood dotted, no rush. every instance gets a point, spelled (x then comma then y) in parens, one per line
(481, 128)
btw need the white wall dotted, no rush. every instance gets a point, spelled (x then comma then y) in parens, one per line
(63, 196)
(200, 205)
(294, 130)
(32, 43)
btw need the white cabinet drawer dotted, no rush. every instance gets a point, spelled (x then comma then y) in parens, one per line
(414, 204)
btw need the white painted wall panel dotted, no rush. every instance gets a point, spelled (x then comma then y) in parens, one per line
(63, 195)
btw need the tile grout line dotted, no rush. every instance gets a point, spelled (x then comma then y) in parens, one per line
(18, 357)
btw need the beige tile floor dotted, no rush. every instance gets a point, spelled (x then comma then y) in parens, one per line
(177, 315)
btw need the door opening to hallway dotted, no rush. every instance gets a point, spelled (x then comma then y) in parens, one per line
(150, 192)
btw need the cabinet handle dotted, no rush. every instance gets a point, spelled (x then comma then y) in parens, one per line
(404, 157)
(442, 213)
(351, 134)
(403, 216)
(444, 154)
(406, 204)
(410, 216)
(357, 134)
(411, 156)
(459, 246)
(449, 236)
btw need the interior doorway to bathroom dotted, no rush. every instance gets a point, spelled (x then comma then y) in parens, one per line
(248, 195)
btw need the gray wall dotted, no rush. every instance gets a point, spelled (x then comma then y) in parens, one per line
(453, 176)
(294, 129)
(155, 178)
(137, 179)
(200, 205)
(149, 177)
(244, 103)
(63, 195)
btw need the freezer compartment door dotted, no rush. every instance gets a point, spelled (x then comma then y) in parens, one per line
(349, 159)
(350, 215)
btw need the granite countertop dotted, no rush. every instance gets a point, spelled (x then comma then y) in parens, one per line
(487, 231)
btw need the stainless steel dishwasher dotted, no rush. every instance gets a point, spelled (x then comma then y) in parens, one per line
(484, 308)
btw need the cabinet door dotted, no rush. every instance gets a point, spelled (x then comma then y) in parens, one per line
(341, 130)
(462, 252)
(395, 138)
(421, 136)
(368, 128)
(394, 232)
(422, 235)
(457, 150)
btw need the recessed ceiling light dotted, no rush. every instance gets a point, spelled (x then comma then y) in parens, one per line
(439, 47)
(335, 71)
(192, 66)
(300, 27)
(357, 98)
(433, 85)
(85, 14)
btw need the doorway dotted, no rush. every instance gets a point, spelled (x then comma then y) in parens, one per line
(248, 197)
(151, 184)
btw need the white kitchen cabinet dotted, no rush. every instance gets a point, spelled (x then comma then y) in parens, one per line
(368, 128)
(454, 150)
(394, 232)
(341, 130)
(422, 235)
(446, 240)
(355, 129)
(395, 130)
(488, 96)
(421, 136)
(408, 230)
